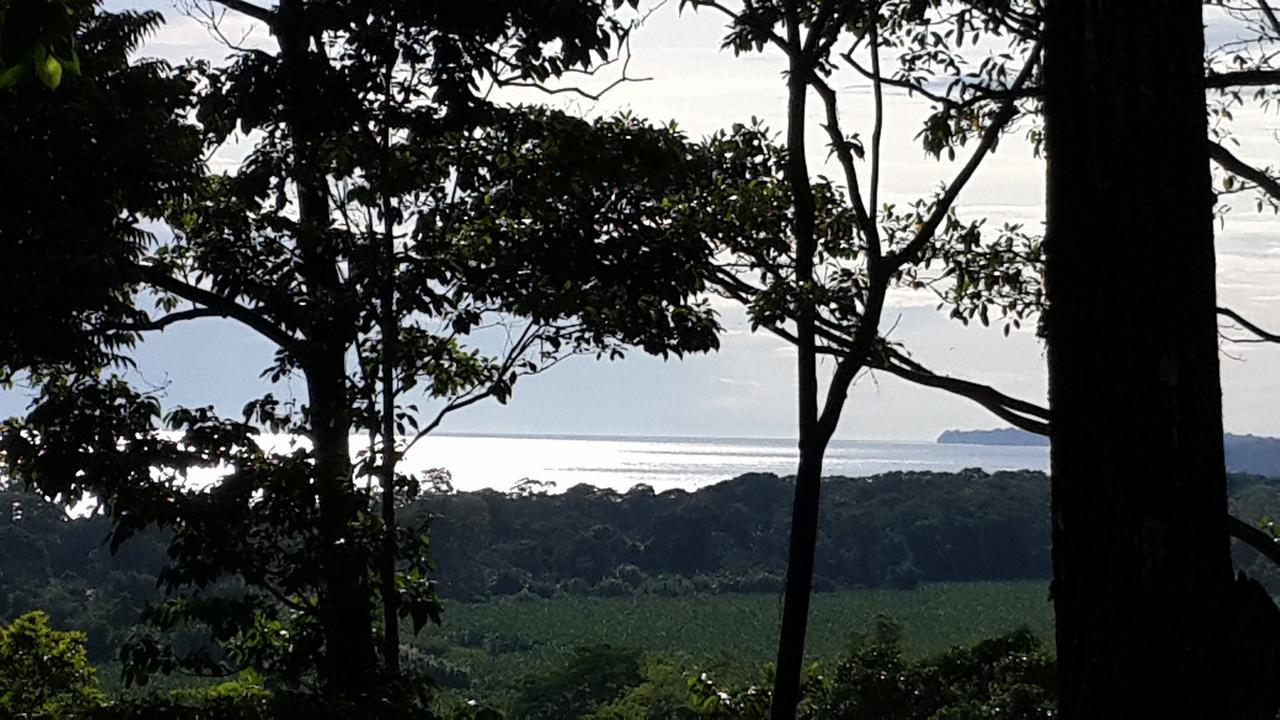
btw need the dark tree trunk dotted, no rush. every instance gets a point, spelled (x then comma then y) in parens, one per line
(345, 603)
(805, 507)
(390, 329)
(345, 599)
(1147, 609)
(799, 588)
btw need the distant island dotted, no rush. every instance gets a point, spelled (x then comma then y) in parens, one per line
(999, 436)
(1253, 454)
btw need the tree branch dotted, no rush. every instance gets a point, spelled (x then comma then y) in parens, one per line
(219, 305)
(164, 321)
(844, 154)
(1233, 164)
(1241, 78)
(1270, 14)
(989, 138)
(1268, 546)
(1239, 319)
(254, 11)
(1027, 416)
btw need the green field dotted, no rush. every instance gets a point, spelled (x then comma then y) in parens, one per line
(497, 642)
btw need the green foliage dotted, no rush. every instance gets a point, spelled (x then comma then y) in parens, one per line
(38, 37)
(593, 676)
(498, 642)
(377, 218)
(893, 530)
(663, 695)
(43, 672)
(1009, 677)
(79, 168)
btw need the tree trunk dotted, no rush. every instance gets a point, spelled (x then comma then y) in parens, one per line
(345, 603)
(390, 330)
(805, 507)
(799, 588)
(1147, 609)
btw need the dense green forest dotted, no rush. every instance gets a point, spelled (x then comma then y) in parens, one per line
(896, 530)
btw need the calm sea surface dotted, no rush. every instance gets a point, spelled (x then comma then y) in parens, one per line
(499, 462)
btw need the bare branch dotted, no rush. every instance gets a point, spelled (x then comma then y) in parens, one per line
(1019, 413)
(877, 87)
(164, 321)
(982, 94)
(844, 154)
(1233, 164)
(1268, 546)
(254, 11)
(1242, 78)
(1239, 319)
(1270, 14)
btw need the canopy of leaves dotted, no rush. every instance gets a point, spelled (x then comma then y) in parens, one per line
(79, 168)
(43, 672)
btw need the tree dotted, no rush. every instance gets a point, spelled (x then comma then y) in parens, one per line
(1149, 620)
(80, 166)
(814, 261)
(388, 212)
(43, 672)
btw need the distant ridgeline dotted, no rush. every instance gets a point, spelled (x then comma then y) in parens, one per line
(891, 530)
(1250, 454)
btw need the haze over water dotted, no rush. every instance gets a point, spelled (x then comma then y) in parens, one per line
(499, 462)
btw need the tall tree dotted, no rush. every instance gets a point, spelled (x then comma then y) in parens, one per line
(814, 260)
(387, 212)
(1149, 619)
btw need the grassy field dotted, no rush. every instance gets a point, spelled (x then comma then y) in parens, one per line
(497, 642)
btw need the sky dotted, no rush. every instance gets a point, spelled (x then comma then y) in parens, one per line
(747, 389)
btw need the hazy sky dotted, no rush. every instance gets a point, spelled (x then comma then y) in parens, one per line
(747, 388)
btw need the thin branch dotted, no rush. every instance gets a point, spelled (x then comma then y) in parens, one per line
(223, 306)
(1233, 164)
(990, 136)
(983, 94)
(515, 81)
(988, 397)
(773, 37)
(1239, 319)
(164, 321)
(877, 87)
(844, 154)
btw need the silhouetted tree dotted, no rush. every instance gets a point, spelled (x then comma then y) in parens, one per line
(1149, 619)
(388, 212)
(814, 261)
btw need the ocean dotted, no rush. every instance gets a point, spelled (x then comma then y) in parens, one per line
(500, 462)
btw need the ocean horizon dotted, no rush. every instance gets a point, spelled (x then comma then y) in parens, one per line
(499, 461)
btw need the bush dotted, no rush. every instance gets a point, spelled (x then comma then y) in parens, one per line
(593, 676)
(1005, 678)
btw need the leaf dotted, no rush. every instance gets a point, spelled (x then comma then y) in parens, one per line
(13, 75)
(48, 69)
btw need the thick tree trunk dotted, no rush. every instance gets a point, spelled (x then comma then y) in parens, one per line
(1147, 609)
(345, 603)
(345, 599)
